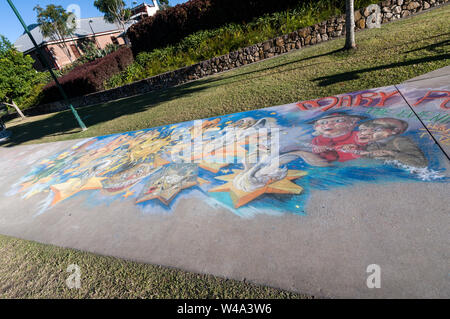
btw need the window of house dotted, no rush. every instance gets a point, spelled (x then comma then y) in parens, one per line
(114, 40)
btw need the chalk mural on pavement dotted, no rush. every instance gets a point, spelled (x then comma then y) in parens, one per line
(264, 161)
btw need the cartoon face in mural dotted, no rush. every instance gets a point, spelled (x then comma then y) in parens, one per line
(335, 125)
(264, 161)
(382, 140)
(380, 129)
(335, 135)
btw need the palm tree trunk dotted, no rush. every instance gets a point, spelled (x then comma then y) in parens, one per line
(350, 42)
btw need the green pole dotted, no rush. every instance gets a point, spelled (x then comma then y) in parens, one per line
(47, 65)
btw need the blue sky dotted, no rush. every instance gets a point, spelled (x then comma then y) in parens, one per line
(12, 29)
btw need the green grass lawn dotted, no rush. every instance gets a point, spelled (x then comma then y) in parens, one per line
(32, 270)
(390, 55)
(386, 56)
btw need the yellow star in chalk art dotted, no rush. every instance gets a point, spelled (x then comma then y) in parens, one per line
(70, 170)
(63, 155)
(167, 195)
(241, 198)
(73, 186)
(147, 148)
(128, 194)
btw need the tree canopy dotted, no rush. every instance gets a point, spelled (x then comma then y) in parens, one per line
(55, 23)
(5, 45)
(115, 11)
(163, 4)
(17, 76)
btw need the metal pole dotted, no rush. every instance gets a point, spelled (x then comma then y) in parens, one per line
(47, 65)
(95, 37)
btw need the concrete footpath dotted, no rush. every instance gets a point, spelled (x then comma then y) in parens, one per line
(303, 197)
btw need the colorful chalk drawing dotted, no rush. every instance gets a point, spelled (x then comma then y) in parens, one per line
(266, 161)
(432, 107)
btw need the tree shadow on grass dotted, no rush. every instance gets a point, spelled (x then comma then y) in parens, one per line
(225, 76)
(64, 123)
(354, 75)
(435, 47)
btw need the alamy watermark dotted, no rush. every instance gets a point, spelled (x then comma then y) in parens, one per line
(374, 279)
(248, 142)
(74, 19)
(74, 280)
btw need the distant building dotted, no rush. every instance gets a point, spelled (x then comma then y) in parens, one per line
(144, 10)
(95, 29)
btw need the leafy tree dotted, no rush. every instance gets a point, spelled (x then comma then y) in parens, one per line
(5, 45)
(54, 22)
(163, 4)
(17, 76)
(350, 42)
(115, 11)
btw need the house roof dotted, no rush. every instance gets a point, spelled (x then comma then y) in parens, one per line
(151, 4)
(99, 25)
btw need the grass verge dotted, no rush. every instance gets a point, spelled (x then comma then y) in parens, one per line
(33, 270)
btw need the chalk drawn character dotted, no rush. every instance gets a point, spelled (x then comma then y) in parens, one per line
(384, 143)
(335, 139)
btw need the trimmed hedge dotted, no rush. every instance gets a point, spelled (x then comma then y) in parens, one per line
(89, 77)
(171, 25)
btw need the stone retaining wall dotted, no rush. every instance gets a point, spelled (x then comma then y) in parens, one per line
(369, 17)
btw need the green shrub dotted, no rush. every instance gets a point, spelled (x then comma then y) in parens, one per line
(34, 97)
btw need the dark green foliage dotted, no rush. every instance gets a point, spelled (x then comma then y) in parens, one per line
(171, 25)
(18, 79)
(89, 77)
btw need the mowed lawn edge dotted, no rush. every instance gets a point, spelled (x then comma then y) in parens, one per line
(390, 55)
(33, 270)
